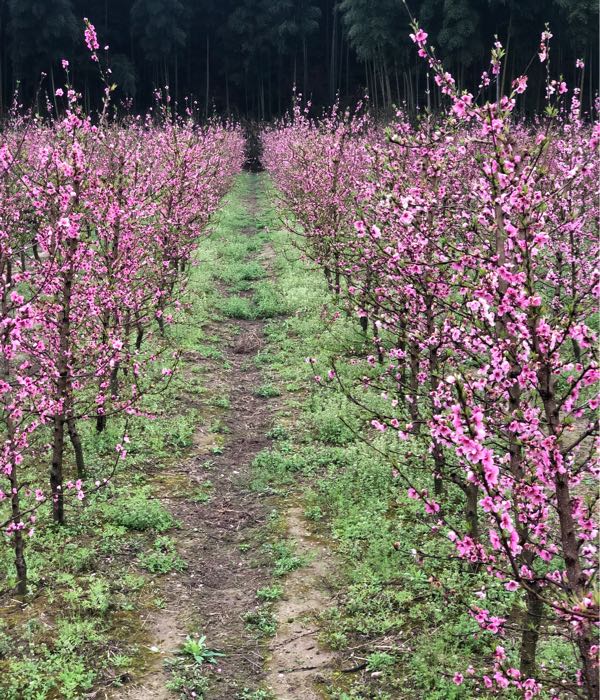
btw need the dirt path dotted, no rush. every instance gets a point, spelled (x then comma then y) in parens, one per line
(297, 663)
(218, 541)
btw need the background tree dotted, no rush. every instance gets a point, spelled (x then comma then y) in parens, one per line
(41, 34)
(159, 26)
(242, 57)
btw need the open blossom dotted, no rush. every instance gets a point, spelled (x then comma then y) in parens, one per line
(419, 37)
(520, 84)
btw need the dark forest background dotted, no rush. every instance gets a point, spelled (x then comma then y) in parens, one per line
(242, 57)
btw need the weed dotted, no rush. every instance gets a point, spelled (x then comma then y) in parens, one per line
(334, 640)
(284, 557)
(187, 679)
(163, 558)
(259, 694)
(261, 621)
(218, 426)
(314, 513)
(269, 593)
(196, 648)
(380, 661)
(139, 512)
(267, 391)
(269, 301)
(220, 402)
(278, 432)
(203, 494)
(239, 307)
(208, 352)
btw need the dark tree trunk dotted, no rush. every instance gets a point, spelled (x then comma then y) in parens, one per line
(56, 470)
(531, 634)
(77, 446)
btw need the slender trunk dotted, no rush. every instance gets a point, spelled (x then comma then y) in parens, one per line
(77, 446)
(100, 423)
(62, 394)
(576, 578)
(472, 497)
(18, 544)
(56, 470)
(207, 76)
(413, 405)
(531, 634)
(401, 344)
(139, 336)
(437, 452)
(17, 534)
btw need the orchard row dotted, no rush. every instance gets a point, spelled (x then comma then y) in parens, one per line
(465, 246)
(98, 225)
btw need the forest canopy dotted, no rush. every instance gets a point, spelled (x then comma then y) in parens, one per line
(243, 57)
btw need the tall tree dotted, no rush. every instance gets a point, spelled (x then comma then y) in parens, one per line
(160, 27)
(42, 33)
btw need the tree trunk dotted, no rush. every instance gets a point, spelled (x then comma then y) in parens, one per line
(56, 471)
(413, 405)
(62, 394)
(207, 76)
(472, 493)
(437, 452)
(77, 446)
(17, 535)
(531, 634)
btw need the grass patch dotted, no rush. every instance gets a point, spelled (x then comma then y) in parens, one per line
(261, 621)
(163, 558)
(139, 511)
(239, 308)
(267, 391)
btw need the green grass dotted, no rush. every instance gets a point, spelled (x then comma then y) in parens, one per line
(284, 557)
(269, 593)
(239, 308)
(163, 557)
(268, 391)
(261, 621)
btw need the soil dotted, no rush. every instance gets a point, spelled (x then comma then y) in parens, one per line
(297, 664)
(219, 585)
